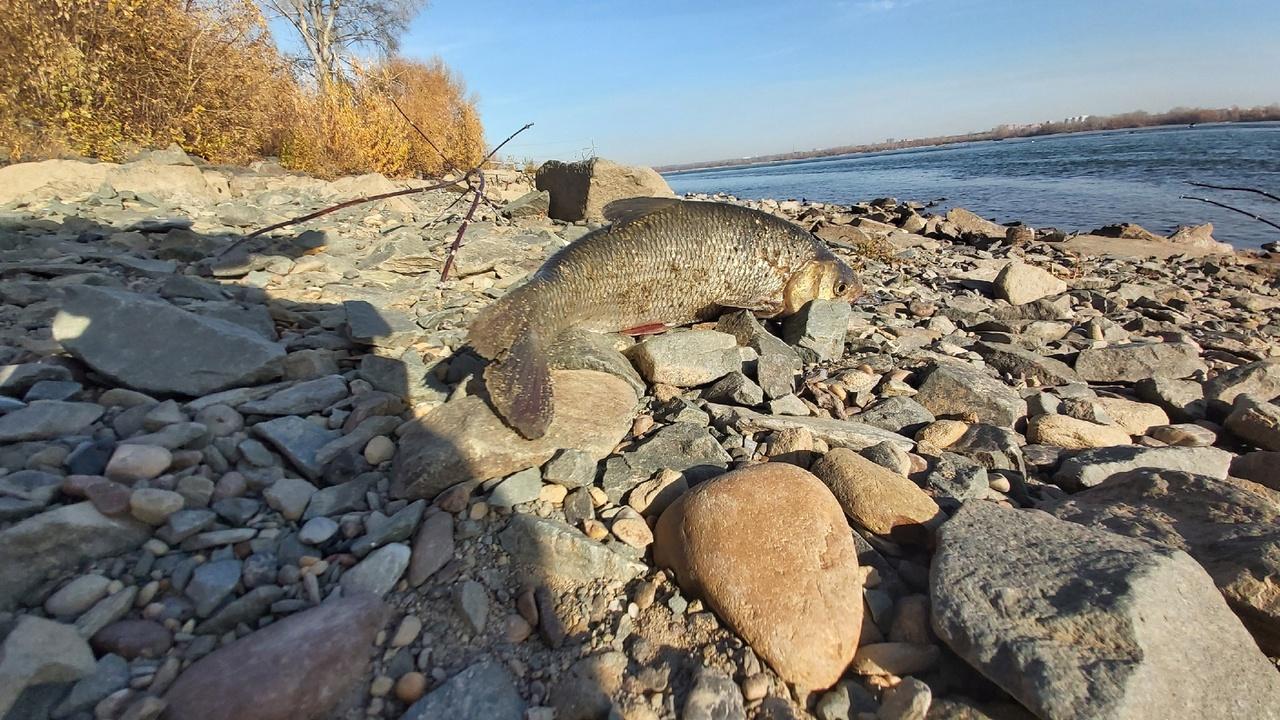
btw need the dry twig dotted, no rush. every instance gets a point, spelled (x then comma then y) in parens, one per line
(1225, 206)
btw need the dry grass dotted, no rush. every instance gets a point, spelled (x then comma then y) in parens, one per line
(105, 78)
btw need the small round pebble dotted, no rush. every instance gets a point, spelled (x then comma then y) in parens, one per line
(379, 450)
(317, 530)
(408, 630)
(153, 506)
(380, 686)
(410, 687)
(77, 596)
(131, 463)
(755, 687)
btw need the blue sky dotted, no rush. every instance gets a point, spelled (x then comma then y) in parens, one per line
(658, 82)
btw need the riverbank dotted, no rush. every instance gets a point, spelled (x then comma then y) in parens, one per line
(269, 484)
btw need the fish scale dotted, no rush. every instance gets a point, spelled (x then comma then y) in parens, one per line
(664, 262)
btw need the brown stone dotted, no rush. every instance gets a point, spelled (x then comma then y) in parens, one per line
(110, 498)
(767, 547)
(1073, 433)
(877, 498)
(465, 440)
(133, 639)
(1135, 418)
(299, 667)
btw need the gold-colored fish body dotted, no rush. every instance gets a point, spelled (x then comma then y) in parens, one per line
(663, 262)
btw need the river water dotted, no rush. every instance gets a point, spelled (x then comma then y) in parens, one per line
(1070, 182)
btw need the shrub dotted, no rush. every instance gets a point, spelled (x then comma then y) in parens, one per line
(100, 77)
(343, 129)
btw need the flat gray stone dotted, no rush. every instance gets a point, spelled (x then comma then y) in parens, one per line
(776, 364)
(289, 496)
(521, 487)
(818, 330)
(57, 541)
(378, 572)
(304, 398)
(433, 546)
(396, 528)
(1087, 468)
(956, 390)
(48, 420)
(484, 691)
(211, 583)
(338, 499)
(715, 696)
(299, 441)
(1076, 622)
(549, 548)
(688, 358)
(150, 345)
(1131, 362)
(1021, 363)
(39, 651)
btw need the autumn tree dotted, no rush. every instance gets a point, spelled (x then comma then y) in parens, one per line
(333, 32)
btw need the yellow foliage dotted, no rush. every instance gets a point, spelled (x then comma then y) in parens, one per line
(344, 129)
(103, 78)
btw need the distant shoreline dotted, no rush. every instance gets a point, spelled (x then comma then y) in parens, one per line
(1127, 121)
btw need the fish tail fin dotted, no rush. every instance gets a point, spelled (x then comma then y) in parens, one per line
(519, 384)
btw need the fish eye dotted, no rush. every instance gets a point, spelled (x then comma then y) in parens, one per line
(840, 288)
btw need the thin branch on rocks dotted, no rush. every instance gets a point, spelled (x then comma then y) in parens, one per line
(1225, 206)
(466, 178)
(1263, 193)
(477, 193)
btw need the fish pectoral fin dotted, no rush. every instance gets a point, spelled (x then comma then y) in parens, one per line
(763, 308)
(622, 211)
(649, 329)
(519, 385)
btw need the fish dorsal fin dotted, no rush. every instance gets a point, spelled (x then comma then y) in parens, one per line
(630, 209)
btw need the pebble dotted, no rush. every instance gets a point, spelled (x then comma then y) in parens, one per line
(410, 687)
(131, 463)
(317, 530)
(153, 505)
(894, 658)
(379, 450)
(289, 496)
(407, 631)
(472, 602)
(77, 596)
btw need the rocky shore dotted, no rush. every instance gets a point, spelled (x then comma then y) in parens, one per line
(1025, 476)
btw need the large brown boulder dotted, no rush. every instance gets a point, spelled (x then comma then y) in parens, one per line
(580, 190)
(767, 547)
(296, 669)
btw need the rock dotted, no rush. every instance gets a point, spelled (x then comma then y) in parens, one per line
(1134, 418)
(173, 351)
(484, 691)
(942, 433)
(783, 575)
(1020, 363)
(77, 596)
(908, 700)
(1073, 434)
(714, 697)
(289, 496)
(552, 549)
(132, 639)
(379, 450)
(394, 529)
(963, 390)
(581, 190)
(59, 540)
(109, 498)
(818, 330)
(1228, 526)
(1256, 422)
(1260, 379)
(653, 496)
(533, 204)
(687, 448)
(211, 583)
(297, 667)
(1092, 467)
(570, 468)
(17, 380)
(246, 609)
(48, 420)
(892, 658)
(38, 651)
(836, 433)
(304, 398)
(153, 506)
(735, 388)
(317, 530)
(432, 547)
(410, 687)
(1077, 622)
(583, 350)
(464, 439)
(898, 414)
(340, 498)
(971, 225)
(777, 363)
(522, 487)
(1183, 399)
(1258, 466)
(472, 602)
(877, 499)
(299, 441)
(1199, 236)
(991, 446)
(110, 674)
(1132, 362)
(1183, 435)
(586, 691)
(688, 358)
(378, 572)
(1020, 283)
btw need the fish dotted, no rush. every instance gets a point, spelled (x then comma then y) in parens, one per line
(660, 263)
